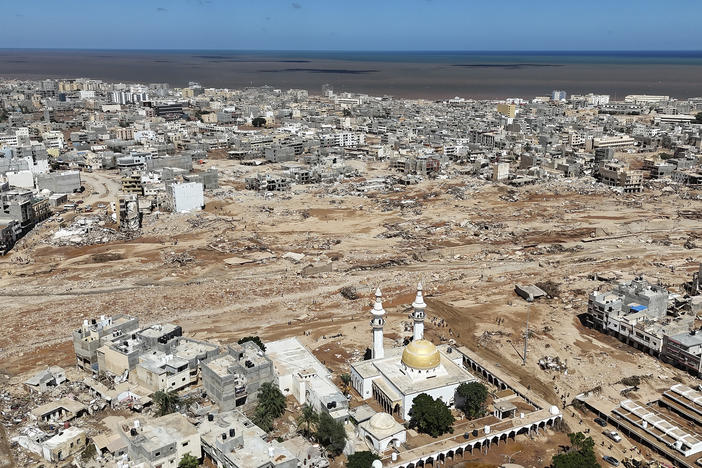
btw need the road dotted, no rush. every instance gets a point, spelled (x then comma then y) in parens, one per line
(100, 186)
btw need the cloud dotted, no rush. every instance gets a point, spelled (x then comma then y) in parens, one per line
(296, 5)
(161, 9)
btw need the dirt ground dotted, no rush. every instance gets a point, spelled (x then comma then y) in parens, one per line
(468, 241)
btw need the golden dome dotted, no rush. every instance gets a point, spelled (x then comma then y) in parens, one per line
(421, 354)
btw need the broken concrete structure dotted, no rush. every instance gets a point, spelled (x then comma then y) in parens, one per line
(42, 381)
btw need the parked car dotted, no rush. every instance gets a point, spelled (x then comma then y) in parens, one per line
(601, 422)
(614, 435)
(611, 460)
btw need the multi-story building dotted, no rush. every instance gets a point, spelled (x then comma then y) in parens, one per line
(161, 442)
(637, 313)
(232, 379)
(616, 174)
(684, 351)
(90, 337)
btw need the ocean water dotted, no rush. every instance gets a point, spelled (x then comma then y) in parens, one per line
(431, 75)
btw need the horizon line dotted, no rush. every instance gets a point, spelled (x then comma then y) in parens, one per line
(358, 50)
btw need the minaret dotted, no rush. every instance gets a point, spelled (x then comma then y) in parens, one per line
(418, 314)
(377, 325)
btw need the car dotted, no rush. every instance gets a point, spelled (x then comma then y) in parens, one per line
(601, 422)
(614, 435)
(611, 460)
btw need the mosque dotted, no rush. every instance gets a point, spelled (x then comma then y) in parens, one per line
(395, 378)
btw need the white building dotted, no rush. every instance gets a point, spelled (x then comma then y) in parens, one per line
(382, 431)
(645, 98)
(394, 377)
(302, 375)
(53, 139)
(500, 171)
(186, 197)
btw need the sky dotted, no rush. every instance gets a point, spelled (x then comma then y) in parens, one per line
(353, 24)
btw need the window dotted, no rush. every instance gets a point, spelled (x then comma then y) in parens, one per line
(185, 444)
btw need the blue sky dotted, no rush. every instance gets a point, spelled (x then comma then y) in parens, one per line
(353, 24)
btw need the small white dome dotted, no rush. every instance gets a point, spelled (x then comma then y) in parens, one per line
(382, 421)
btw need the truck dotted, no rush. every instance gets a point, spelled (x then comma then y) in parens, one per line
(614, 435)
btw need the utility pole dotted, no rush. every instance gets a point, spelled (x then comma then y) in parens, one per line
(526, 337)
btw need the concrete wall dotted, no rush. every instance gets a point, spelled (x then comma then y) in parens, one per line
(59, 182)
(23, 179)
(187, 197)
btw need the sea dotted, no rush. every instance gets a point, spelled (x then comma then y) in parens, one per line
(429, 75)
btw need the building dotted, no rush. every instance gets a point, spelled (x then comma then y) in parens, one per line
(233, 378)
(684, 351)
(613, 142)
(59, 182)
(616, 174)
(66, 443)
(44, 380)
(636, 312)
(230, 439)
(645, 98)
(162, 442)
(381, 432)
(656, 424)
(500, 172)
(186, 197)
(131, 183)
(675, 118)
(301, 374)
(395, 378)
(158, 371)
(90, 337)
(508, 110)
(558, 95)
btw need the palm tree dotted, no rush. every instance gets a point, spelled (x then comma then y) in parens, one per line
(346, 379)
(308, 417)
(271, 400)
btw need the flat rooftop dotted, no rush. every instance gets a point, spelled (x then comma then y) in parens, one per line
(289, 356)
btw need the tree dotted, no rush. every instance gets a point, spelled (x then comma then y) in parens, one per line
(271, 405)
(346, 380)
(698, 118)
(430, 416)
(331, 434)
(255, 339)
(362, 459)
(188, 461)
(308, 418)
(580, 454)
(167, 402)
(258, 122)
(580, 442)
(89, 452)
(347, 113)
(262, 419)
(665, 156)
(272, 399)
(472, 398)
